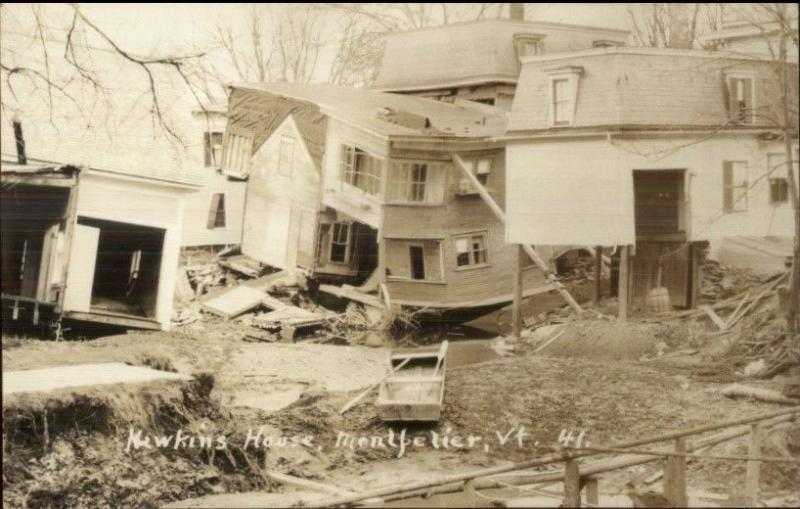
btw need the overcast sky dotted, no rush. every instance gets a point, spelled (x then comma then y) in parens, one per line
(152, 27)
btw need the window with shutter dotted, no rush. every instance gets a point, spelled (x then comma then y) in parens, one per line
(734, 182)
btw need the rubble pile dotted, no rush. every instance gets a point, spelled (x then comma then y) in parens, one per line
(266, 304)
(721, 282)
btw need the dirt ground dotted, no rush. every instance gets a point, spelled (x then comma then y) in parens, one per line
(589, 380)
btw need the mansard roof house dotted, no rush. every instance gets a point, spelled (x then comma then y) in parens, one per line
(368, 187)
(664, 150)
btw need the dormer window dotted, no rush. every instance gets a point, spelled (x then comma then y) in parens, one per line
(527, 45)
(741, 98)
(563, 94)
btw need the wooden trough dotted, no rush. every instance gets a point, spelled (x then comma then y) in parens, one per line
(415, 389)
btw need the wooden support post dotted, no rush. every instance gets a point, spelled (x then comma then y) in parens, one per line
(498, 212)
(675, 476)
(592, 491)
(752, 477)
(516, 310)
(572, 484)
(623, 283)
(598, 274)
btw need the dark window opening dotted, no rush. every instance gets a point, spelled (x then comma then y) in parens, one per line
(340, 242)
(216, 215)
(212, 144)
(490, 101)
(778, 190)
(417, 254)
(657, 201)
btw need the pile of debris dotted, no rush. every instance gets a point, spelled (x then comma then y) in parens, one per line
(721, 282)
(739, 329)
(271, 304)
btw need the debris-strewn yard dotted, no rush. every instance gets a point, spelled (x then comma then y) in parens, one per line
(615, 381)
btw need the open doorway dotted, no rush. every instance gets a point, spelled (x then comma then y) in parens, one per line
(32, 219)
(658, 202)
(127, 267)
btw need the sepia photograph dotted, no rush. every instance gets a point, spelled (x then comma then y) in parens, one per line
(395, 255)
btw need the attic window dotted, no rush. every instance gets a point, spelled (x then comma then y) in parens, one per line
(527, 45)
(563, 94)
(741, 98)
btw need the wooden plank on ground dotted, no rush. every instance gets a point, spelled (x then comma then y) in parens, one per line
(714, 316)
(235, 301)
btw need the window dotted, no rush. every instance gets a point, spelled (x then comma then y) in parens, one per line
(212, 145)
(236, 153)
(411, 183)
(216, 215)
(471, 250)
(416, 182)
(488, 100)
(734, 180)
(417, 255)
(778, 191)
(563, 93)
(481, 169)
(340, 243)
(778, 182)
(527, 45)
(741, 99)
(361, 170)
(561, 101)
(286, 156)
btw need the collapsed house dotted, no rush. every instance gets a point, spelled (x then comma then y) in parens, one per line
(668, 151)
(89, 244)
(369, 187)
(360, 186)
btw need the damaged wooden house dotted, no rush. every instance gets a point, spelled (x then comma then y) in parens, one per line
(370, 187)
(360, 186)
(89, 244)
(661, 154)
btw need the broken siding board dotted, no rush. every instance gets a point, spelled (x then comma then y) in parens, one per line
(235, 301)
(352, 294)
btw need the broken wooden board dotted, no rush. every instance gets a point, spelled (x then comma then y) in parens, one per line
(270, 281)
(242, 264)
(714, 317)
(350, 293)
(289, 315)
(234, 301)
